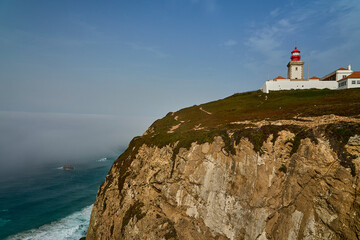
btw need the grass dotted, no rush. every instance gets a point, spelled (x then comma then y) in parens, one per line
(253, 106)
(250, 106)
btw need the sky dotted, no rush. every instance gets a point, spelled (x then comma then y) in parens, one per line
(80, 78)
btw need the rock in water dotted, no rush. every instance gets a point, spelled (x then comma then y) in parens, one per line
(68, 167)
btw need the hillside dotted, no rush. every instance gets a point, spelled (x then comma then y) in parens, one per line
(246, 150)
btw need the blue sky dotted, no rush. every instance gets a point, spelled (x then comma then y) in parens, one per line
(134, 61)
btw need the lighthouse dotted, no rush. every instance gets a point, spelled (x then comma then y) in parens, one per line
(339, 79)
(295, 66)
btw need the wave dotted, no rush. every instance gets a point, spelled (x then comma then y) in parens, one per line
(102, 159)
(71, 227)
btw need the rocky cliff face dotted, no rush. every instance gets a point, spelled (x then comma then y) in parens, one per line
(281, 179)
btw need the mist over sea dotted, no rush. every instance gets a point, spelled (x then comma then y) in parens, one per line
(48, 202)
(38, 199)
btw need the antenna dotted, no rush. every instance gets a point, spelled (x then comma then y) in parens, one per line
(308, 66)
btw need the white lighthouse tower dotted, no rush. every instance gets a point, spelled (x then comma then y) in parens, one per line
(295, 66)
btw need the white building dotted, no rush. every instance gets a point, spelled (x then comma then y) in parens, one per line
(340, 79)
(277, 84)
(338, 74)
(350, 81)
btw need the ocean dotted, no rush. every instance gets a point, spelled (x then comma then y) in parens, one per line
(48, 202)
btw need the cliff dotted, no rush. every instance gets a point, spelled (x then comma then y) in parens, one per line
(284, 165)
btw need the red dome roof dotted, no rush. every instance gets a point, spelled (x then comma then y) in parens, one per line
(295, 50)
(295, 55)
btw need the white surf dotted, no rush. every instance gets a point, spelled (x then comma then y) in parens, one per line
(71, 227)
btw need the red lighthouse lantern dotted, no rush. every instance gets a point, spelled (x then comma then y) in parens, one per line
(295, 55)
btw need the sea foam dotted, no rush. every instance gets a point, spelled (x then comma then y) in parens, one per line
(102, 160)
(71, 227)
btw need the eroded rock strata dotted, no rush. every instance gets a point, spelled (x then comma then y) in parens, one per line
(293, 179)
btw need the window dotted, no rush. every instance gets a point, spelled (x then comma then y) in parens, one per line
(358, 81)
(353, 82)
(343, 83)
(343, 76)
(296, 69)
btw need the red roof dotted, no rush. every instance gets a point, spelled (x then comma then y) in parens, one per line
(354, 75)
(342, 69)
(295, 50)
(279, 77)
(314, 77)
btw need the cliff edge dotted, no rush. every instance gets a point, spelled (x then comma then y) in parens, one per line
(283, 165)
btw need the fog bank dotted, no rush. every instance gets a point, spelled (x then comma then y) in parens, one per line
(30, 139)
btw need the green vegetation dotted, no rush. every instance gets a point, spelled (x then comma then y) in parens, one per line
(283, 168)
(302, 134)
(171, 234)
(134, 210)
(257, 136)
(253, 106)
(202, 123)
(338, 135)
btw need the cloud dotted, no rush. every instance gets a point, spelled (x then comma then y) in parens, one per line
(230, 43)
(347, 20)
(286, 24)
(153, 50)
(208, 5)
(330, 29)
(267, 41)
(344, 33)
(275, 12)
